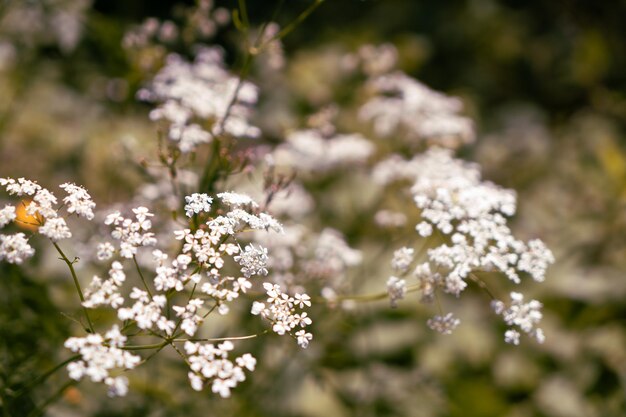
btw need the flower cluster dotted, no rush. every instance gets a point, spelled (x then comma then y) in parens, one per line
(183, 290)
(280, 310)
(302, 257)
(98, 356)
(203, 93)
(404, 106)
(40, 206)
(188, 267)
(197, 203)
(524, 316)
(210, 363)
(310, 151)
(132, 234)
(469, 215)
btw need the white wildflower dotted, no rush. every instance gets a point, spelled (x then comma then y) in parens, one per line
(405, 106)
(237, 200)
(15, 248)
(402, 259)
(99, 355)
(524, 316)
(396, 288)
(78, 201)
(20, 187)
(443, 324)
(7, 215)
(104, 251)
(197, 203)
(210, 364)
(253, 261)
(56, 229)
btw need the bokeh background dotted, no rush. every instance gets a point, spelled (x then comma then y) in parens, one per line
(545, 83)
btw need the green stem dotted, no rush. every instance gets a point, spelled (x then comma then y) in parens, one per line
(146, 347)
(41, 378)
(143, 279)
(243, 11)
(76, 283)
(294, 24)
(182, 355)
(221, 339)
(42, 408)
(365, 297)
(482, 285)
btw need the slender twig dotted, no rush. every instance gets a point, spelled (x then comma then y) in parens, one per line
(482, 285)
(364, 297)
(146, 347)
(182, 355)
(41, 378)
(143, 279)
(42, 408)
(70, 265)
(291, 26)
(221, 339)
(243, 11)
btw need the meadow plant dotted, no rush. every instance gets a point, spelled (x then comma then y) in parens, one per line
(196, 247)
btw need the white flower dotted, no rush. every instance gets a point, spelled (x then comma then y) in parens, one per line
(536, 260)
(253, 261)
(203, 89)
(15, 248)
(524, 316)
(20, 187)
(7, 215)
(303, 338)
(247, 361)
(396, 288)
(99, 355)
(78, 201)
(424, 229)
(402, 259)
(132, 234)
(237, 200)
(443, 324)
(210, 363)
(407, 107)
(105, 251)
(257, 308)
(280, 310)
(56, 229)
(197, 203)
(302, 300)
(512, 336)
(309, 150)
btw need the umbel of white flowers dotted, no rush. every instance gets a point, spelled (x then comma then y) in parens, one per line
(198, 267)
(470, 217)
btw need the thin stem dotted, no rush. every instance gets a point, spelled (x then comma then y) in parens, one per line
(244, 13)
(147, 358)
(41, 378)
(146, 347)
(143, 279)
(182, 355)
(210, 311)
(70, 265)
(42, 408)
(366, 297)
(482, 285)
(438, 302)
(258, 45)
(291, 26)
(221, 339)
(247, 64)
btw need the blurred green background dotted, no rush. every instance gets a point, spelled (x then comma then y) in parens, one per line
(546, 84)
